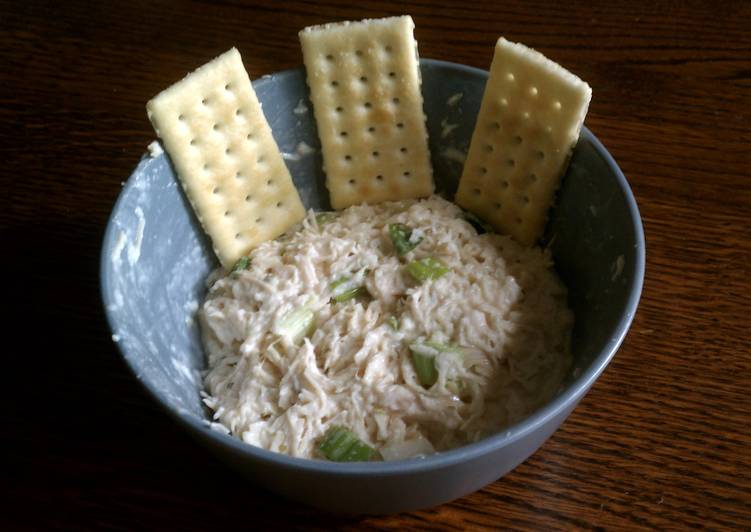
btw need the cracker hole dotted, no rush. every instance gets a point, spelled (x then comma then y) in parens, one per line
(392, 74)
(279, 204)
(510, 163)
(181, 118)
(557, 105)
(249, 136)
(483, 170)
(237, 236)
(496, 125)
(510, 77)
(477, 192)
(343, 134)
(340, 109)
(216, 190)
(270, 182)
(388, 49)
(227, 151)
(259, 220)
(215, 127)
(329, 57)
(347, 157)
(371, 129)
(206, 167)
(539, 155)
(504, 183)
(368, 105)
(205, 101)
(228, 87)
(517, 139)
(364, 79)
(334, 83)
(193, 142)
(533, 177)
(395, 100)
(260, 159)
(351, 181)
(226, 214)
(238, 175)
(403, 149)
(488, 148)
(497, 205)
(238, 112)
(400, 125)
(358, 53)
(248, 198)
(525, 199)
(533, 91)
(379, 177)
(406, 174)
(375, 154)
(518, 220)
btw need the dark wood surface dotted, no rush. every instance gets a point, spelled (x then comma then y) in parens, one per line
(662, 440)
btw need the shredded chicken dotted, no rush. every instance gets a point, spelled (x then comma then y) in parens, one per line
(501, 305)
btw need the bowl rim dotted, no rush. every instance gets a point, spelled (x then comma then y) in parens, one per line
(570, 395)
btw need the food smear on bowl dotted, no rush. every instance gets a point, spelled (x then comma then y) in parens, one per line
(383, 332)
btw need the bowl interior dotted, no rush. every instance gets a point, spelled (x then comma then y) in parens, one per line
(155, 257)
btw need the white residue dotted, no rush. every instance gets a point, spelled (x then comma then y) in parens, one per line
(301, 151)
(183, 370)
(134, 249)
(155, 149)
(454, 99)
(117, 251)
(117, 295)
(617, 268)
(452, 154)
(190, 312)
(115, 338)
(447, 128)
(301, 108)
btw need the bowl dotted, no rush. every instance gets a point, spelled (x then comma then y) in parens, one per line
(155, 259)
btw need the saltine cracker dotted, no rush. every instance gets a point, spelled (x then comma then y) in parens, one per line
(230, 167)
(364, 79)
(529, 122)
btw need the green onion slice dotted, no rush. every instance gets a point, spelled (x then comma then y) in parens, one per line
(403, 239)
(241, 264)
(428, 268)
(322, 218)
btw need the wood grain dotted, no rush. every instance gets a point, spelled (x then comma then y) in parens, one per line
(663, 440)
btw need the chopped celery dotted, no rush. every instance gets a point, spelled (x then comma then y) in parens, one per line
(341, 445)
(479, 225)
(401, 237)
(322, 218)
(423, 358)
(350, 294)
(241, 264)
(295, 324)
(427, 268)
(344, 289)
(393, 322)
(425, 368)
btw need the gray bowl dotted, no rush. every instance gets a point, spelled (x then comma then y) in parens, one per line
(155, 259)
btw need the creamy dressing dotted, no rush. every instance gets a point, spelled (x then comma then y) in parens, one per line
(501, 306)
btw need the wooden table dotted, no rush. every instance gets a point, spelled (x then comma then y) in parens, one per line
(662, 440)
